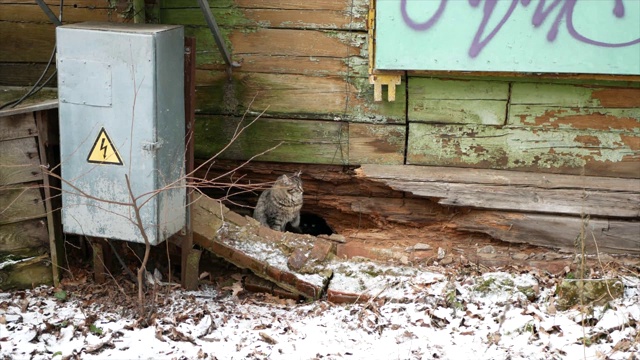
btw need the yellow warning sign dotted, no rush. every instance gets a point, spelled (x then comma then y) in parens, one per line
(103, 151)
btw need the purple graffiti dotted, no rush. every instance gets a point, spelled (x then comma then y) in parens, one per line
(542, 12)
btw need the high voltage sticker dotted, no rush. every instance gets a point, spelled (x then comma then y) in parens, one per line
(103, 151)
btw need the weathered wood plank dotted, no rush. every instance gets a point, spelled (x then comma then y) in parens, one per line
(265, 18)
(496, 177)
(17, 126)
(318, 142)
(506, 190)
(611, 236)
(26, 42)
(457, 101)
(26, 238)
(24, 74)
(545, 150)
(20, 203)
(46, 98)
(31, 13)
(574, 96)
(376, 144)
(26, 274)
(443, 89)
(599, 119)
(19, 161)
(297, 96)
(294, 42)
(486, 112)
(361, 6)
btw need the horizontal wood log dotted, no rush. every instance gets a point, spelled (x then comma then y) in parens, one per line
(26, 42)
(608, 236)
(19, 161)
(27, 238)
(20, 203)
(510, 148)
(510, 190)
(26, 274)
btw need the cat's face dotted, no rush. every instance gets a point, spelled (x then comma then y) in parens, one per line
(290, 183)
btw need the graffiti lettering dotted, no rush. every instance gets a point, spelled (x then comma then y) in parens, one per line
(483, 35)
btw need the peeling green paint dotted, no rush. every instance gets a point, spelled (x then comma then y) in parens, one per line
(513, 148)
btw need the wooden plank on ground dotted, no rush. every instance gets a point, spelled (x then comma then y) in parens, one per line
(376, 144)
(546, 150)
(296, 141)
(20, 203)
(609, 236)
(509, 190)
(19, 161)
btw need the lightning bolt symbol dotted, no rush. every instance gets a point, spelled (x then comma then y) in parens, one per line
(104, 148)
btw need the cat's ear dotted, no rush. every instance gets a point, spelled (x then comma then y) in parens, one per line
(298, 173)
(285, 179)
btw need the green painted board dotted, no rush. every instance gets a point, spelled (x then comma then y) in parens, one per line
(580, 36)
(457, 101)
(547, 150)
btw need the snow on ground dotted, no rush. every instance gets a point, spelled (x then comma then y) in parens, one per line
(491, 316)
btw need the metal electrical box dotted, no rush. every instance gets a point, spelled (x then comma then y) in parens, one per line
(121, 106)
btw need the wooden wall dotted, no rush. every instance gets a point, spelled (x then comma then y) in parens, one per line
(304, 68)
(24, 227)
(28, 36)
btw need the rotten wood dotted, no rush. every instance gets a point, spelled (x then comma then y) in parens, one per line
(25, 273)
(515, 191)
(599, 235)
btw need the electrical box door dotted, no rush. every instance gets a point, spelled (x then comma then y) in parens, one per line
(122, 130)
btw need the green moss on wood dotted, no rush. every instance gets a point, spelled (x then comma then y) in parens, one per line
(301, 141)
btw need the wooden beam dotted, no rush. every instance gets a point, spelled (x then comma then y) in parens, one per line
(512, 190)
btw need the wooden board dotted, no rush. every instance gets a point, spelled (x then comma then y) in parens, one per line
(17, 126)
(297, 96)
(20, 203)
(26, 42)
(296, 141)
(608, 236)
(27, 238)
(25, 74)
(376, 144)
(515, 192)
(558, 95)
(512, 148)
(19, 161)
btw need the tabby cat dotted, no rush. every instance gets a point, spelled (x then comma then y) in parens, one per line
(280, 205)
